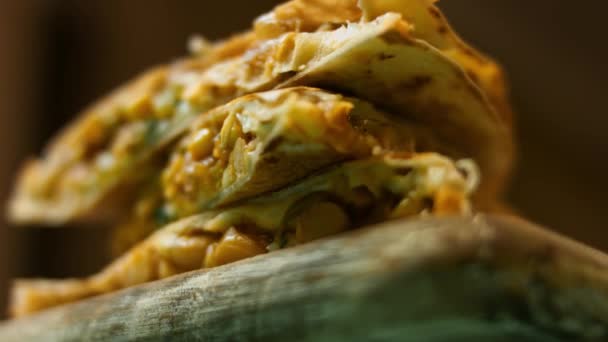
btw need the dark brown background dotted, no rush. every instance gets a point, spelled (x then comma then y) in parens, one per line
(57, 56)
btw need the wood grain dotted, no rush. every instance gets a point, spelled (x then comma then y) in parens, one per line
(419, 280)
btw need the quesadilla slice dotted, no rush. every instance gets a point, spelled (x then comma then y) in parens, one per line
(426, 22)
(376, 74)
(262, 142)
(431, 26)
(346, 196)
(390, 68)
(79, 173)
(86, 173)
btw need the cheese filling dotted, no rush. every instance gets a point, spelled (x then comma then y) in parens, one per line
(262, 142)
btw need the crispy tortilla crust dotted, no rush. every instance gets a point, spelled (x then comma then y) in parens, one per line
(427, 24)
(430, 25)
(344, 197)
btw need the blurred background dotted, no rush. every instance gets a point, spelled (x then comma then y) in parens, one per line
(58, 56)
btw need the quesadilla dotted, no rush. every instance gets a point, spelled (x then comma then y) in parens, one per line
(340, 198)
(262, 142)
(329, 115)
(380, 61)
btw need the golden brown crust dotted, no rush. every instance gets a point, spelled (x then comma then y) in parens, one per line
(261, 142)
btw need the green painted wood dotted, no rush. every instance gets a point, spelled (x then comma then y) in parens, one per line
(431, 279)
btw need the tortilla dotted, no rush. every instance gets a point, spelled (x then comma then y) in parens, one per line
(264, 141)
(346, 196)
(260, 143)
(427, 23)
(389, 68)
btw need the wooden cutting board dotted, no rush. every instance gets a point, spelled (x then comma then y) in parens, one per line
(429, 279)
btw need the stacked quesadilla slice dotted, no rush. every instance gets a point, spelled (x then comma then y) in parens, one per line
(327, 116)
